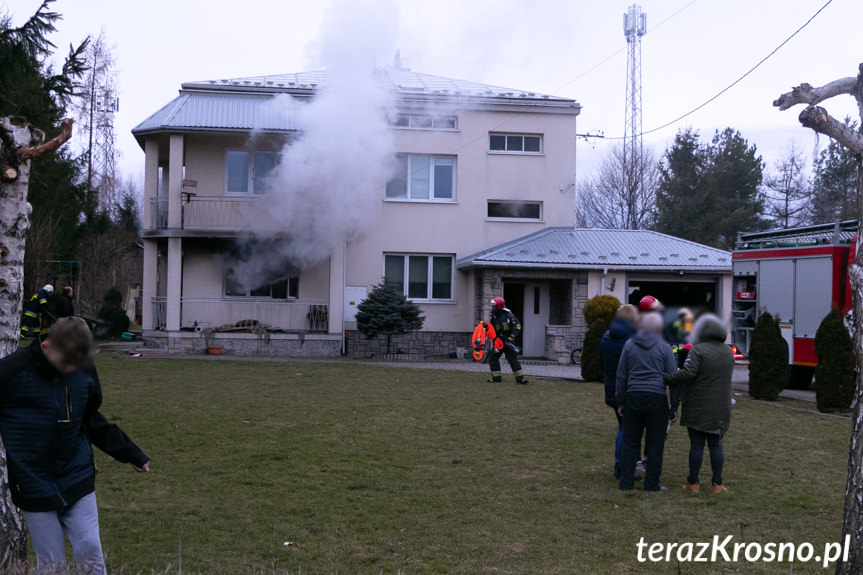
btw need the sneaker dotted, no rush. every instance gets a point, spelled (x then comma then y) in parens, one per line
(693, 487)
(639, 466)
(719, 488)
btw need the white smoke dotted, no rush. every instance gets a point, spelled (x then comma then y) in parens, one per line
(326, 182)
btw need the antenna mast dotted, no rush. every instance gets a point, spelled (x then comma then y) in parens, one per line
(634, 27)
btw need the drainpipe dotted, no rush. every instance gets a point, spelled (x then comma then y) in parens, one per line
(602, 284)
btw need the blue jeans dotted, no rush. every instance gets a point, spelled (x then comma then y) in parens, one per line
(618, 441)
(697, 439)
(80, 524)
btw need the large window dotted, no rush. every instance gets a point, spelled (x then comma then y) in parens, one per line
(423, 178)
(247, 170)
(274, 285)
(515, 143)
(514, 210)
(420, 277)
(423, 122)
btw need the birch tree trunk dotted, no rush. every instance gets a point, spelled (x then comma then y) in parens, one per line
(19, 142)
(816, 118)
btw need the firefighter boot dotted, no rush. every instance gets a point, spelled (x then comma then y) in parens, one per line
(495, 378)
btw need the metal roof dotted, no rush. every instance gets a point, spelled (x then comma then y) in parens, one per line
(242, 104)
(598, 248)
(402, 81)
(806, 236)
(190, 111)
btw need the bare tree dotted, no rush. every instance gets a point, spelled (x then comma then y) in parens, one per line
(818, 119)
(94, 109)
(622, 193)
(787, 189)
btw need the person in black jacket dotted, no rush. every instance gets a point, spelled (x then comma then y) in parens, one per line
(50, 396)
(507, 328)
(65, 304)
(621, 330)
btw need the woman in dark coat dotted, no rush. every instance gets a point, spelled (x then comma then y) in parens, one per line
(706, 397)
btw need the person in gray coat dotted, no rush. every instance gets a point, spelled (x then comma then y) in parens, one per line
(706, 397)
(641, 393)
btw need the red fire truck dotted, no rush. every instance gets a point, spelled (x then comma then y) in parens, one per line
(797, 275)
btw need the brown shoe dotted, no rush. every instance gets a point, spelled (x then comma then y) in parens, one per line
(719, 488)
(693, 487)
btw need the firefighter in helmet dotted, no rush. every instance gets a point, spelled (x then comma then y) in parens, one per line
(649, 303)
(507, 328)
(34, 312)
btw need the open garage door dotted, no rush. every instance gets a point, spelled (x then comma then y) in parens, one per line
(698, 296)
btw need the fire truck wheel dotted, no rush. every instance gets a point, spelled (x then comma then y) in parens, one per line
(800, 376)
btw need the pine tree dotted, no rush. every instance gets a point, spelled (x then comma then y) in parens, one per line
(386, 311)
(768, 359)
(708, 193)
(834, 374)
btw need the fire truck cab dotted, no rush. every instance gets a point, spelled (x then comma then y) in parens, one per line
(798, 275)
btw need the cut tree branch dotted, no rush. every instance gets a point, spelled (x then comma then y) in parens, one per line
(806, 94)
(25, 153)
(817, 118)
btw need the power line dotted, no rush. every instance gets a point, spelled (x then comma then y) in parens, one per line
(577, 78)
(735, 82)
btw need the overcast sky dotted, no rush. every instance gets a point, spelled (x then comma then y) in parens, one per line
(536, 45)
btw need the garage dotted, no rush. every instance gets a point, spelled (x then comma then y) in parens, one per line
(699, 296)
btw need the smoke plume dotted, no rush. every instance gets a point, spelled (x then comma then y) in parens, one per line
(327, 179)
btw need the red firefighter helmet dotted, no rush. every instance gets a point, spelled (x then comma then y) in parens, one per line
(649, 303)
(498, 303)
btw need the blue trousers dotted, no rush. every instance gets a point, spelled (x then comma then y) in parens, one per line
(696, 454)
(80, 524)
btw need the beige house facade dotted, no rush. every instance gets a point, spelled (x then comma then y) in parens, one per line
(476, 166)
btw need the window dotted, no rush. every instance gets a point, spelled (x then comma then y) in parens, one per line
(423, 122)
(423, 178)
(247, 170)
(514, 210)
(277, 285)
(420, 277)
(518, 143)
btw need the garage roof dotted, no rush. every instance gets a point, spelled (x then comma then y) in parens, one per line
(556, 248)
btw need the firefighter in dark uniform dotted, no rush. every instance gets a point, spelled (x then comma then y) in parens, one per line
(507, 328)
(34, 310)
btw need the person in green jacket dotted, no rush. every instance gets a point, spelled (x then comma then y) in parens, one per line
(705, 379)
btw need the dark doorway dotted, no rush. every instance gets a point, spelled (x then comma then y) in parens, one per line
(513, 294)
(698, 296)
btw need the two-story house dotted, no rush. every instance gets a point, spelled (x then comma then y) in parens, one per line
(476, 166)
(480, 204)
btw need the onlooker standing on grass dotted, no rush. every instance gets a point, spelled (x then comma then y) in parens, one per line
(706, 397)
(644, 405)
(49, 415)
(621, 330)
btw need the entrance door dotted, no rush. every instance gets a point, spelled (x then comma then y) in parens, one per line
(535, 318)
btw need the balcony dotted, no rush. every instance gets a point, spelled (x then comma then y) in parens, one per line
(204, 215)
(246, 314)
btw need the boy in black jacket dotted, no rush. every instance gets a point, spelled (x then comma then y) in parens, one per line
(49, 415)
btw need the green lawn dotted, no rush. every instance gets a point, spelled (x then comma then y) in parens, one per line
(369, 470)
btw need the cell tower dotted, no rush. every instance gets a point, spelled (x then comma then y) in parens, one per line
(634, 27)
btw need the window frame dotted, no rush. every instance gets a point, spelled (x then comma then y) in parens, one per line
(540, 219)
(250, 175)
(431, 199)
(522, 152)
(394, 122)
(289, 280)
(430, 275)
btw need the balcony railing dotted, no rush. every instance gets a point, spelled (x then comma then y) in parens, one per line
(206, 213)
(215, 313)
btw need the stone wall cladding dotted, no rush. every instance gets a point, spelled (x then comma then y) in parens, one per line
(247, 344)
(427, 343)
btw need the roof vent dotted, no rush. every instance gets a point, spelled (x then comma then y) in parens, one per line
(585, 253)
(554, 252)
(524, 252)
(603, 257)
(510, 254)
(693, 259)
(675, 255)
(645, 255)
(633, 258)
(573, 256)
(703, 256)
(615, 254)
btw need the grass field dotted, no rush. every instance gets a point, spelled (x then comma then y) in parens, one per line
(368, 470)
